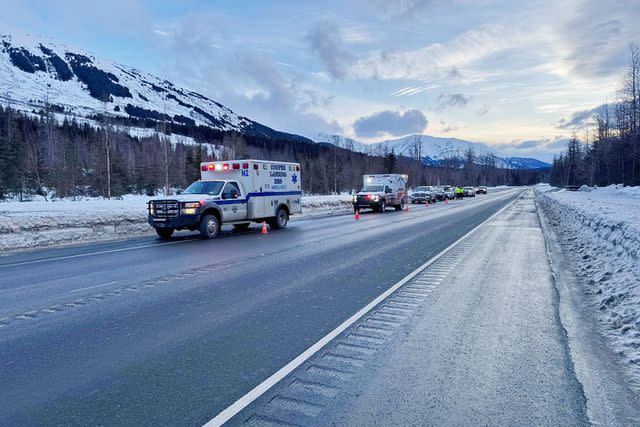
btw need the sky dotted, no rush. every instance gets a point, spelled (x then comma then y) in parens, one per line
(517, 75)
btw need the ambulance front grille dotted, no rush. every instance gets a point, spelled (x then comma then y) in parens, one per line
(166, 209)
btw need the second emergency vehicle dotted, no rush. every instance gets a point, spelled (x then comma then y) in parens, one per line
(380, 191)
(236, 192)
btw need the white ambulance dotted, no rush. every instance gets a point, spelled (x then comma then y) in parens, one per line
(236, 192)
(380, 191)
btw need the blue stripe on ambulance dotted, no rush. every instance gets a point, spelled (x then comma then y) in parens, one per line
(263, 194)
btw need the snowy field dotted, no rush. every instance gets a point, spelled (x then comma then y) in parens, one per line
(38, 223)
(600, 227)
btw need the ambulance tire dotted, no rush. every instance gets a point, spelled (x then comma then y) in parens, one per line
(280, 220)
(165, 233)
(209, 226)
(382, 207)
(400, 206)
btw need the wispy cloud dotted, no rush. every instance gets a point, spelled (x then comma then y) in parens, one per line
(411, 90)
(325, 40)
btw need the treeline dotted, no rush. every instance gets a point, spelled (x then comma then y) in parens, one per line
(609, 153)
(48, 154)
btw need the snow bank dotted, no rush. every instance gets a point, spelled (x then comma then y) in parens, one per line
(38, 223)
(600, 228)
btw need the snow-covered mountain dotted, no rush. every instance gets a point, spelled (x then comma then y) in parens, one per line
(432, 149)
(77, 83)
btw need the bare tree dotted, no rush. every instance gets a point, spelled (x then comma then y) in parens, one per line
(107, 145)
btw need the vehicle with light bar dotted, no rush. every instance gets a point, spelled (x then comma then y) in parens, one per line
(234, 192)
(380, 191)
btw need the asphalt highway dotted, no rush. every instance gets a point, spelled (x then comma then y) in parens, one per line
(145, 332)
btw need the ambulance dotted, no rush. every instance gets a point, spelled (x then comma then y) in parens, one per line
(380, 191)
(234, 192)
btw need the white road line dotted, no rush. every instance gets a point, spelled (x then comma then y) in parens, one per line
(130, 248)
(96, 286)
(263, 387)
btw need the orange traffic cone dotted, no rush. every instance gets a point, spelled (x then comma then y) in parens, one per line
(446, 201)
(426, 205)
(264, 227)
(357, 214)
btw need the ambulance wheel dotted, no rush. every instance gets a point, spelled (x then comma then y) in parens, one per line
(209, 226)
(165, 233)
(280, 220)
(382, 207)
(241, 227)
(400, 206)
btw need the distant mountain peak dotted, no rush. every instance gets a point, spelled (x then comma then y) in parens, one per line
(433, 149)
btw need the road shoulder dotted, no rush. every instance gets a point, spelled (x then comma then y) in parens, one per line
(610, 398)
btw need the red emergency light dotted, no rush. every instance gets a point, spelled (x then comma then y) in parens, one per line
(236, 166)
(255, 166)
(225, 166)
(203, 168)
(211, 167)
(245, 166)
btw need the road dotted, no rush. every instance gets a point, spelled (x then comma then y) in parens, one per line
(142, 332)
(473, 339)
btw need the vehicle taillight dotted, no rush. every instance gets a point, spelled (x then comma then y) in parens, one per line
(236, 166)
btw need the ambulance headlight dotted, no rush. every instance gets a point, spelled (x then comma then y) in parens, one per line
(189, 211)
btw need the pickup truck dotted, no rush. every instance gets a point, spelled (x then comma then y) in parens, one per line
(423, 194)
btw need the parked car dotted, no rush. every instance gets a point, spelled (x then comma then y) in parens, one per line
(423, 194)
(469, 191)
(482, 189)
(448, 191)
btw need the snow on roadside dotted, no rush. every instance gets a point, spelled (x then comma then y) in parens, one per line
(600, 228)
(38, 223)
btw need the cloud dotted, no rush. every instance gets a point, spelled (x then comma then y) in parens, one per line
(597, 34)
(390, 123)
(580, 119)
(482, 111)
(210, 60)
(452, 100)
(446, 127)
(325, 40)
(437, 62)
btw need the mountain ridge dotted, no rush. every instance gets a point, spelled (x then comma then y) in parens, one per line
(434, 150)
(38, 71)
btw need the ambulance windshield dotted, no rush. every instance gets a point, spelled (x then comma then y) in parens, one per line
(372, 188)
(211, 188)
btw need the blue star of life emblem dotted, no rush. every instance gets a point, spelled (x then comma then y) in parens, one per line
(294, 178)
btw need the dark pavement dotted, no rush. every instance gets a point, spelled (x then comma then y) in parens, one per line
(142, 332)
